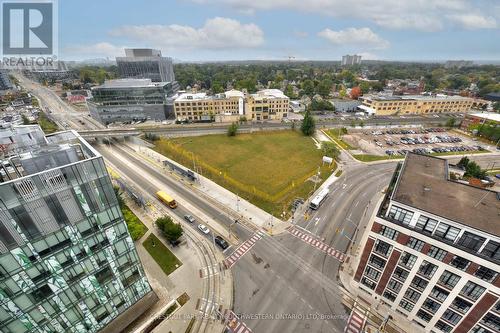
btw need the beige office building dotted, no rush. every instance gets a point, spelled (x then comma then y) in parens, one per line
(267, 104)
(229, 106)
(401, 105)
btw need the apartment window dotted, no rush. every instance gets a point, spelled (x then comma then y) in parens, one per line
(372, 273)
(451, 317)
(431, 305)
(382, 248)
(407, 260)
(425, 316)
(461, 304)
(408, 306)
(427, 269)
(439, 293)
(447, 232)
(492, 250)
(485, 274)
(441, 325)
(389, 232)
(400, 273)
(399, 214)
(471, 241)
(426, 224)
(412, 295)
(460, 263)
(491, 321)
(415, 244)
(480, 329)
(472, 290)
(390, 296)
(419, 283)
(377, 262)
(368, 283)
(449, 279)
(437, 253)
(394, 285)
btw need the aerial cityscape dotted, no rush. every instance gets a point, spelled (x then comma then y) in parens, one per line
(227, 166)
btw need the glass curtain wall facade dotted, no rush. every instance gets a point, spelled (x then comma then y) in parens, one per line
(67, 261)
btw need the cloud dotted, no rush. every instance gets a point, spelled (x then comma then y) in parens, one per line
(363, 37)
(474, 21)
(216, 33)
(425, 15)
(102, 49)
(300, 34)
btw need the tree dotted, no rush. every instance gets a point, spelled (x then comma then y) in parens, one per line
(232, 129)
(25, 120)
(355, 92)
(450, 123)
(325, 87)
(119, 197)
(308, 124)
(474, 170)
(464, 161)
(330, 149)
(496, 106)
(171, 230)
(308, 87)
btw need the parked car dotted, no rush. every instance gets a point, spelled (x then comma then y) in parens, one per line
(204, 229)
(221, 242)
(189, 218)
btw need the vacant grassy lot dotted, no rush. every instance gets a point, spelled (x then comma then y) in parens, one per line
(161, 254)
(47, 125)
(270, 169)
(372, 158)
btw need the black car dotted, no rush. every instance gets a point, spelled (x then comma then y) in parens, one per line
(221, 242)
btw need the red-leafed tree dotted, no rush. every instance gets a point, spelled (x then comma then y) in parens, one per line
(355, 92)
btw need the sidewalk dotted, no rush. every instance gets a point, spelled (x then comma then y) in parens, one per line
(239, 206)
(373, 303)
(184, 279)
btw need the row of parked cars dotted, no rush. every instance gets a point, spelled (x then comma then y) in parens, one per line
(408, 131)
(221, 242)
(426, 151)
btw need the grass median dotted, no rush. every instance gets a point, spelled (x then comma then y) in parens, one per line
(161, 254)
(335, 134)
(269, 169)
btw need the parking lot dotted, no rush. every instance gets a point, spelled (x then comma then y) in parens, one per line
(399, 141)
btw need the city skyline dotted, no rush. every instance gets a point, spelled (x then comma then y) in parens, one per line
(322, 30)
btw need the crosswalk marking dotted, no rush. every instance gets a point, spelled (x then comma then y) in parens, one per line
(208, 271)
(242, 249)
(233, 323)
(356, 321)
(316, 243)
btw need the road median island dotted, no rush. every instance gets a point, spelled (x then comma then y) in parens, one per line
(269, 169)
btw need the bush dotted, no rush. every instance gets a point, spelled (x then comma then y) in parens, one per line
(232, 129)
(330, 149)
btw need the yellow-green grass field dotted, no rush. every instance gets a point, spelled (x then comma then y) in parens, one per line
(269, 169)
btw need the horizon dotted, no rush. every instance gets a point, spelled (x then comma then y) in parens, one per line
(235, 30)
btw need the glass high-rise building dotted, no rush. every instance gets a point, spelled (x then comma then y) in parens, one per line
(67, 261)
(146, 64)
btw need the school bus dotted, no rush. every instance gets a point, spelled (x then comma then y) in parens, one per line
(166, 199)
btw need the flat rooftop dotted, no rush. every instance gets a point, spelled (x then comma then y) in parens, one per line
(27, 151)
(414, 98)
(129, 83)
(423, 183)
(487, 115)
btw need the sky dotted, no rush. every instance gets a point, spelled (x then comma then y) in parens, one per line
(219, 30)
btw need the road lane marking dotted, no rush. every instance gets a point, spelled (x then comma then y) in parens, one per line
(242, 250)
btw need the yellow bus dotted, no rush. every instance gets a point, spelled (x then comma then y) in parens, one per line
(166, 199)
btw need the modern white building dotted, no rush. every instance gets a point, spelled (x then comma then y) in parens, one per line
(432, 253)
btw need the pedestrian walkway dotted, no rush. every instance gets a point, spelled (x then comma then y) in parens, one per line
(242, 249)
(356, 321)
(233, 323)
(313, 241)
